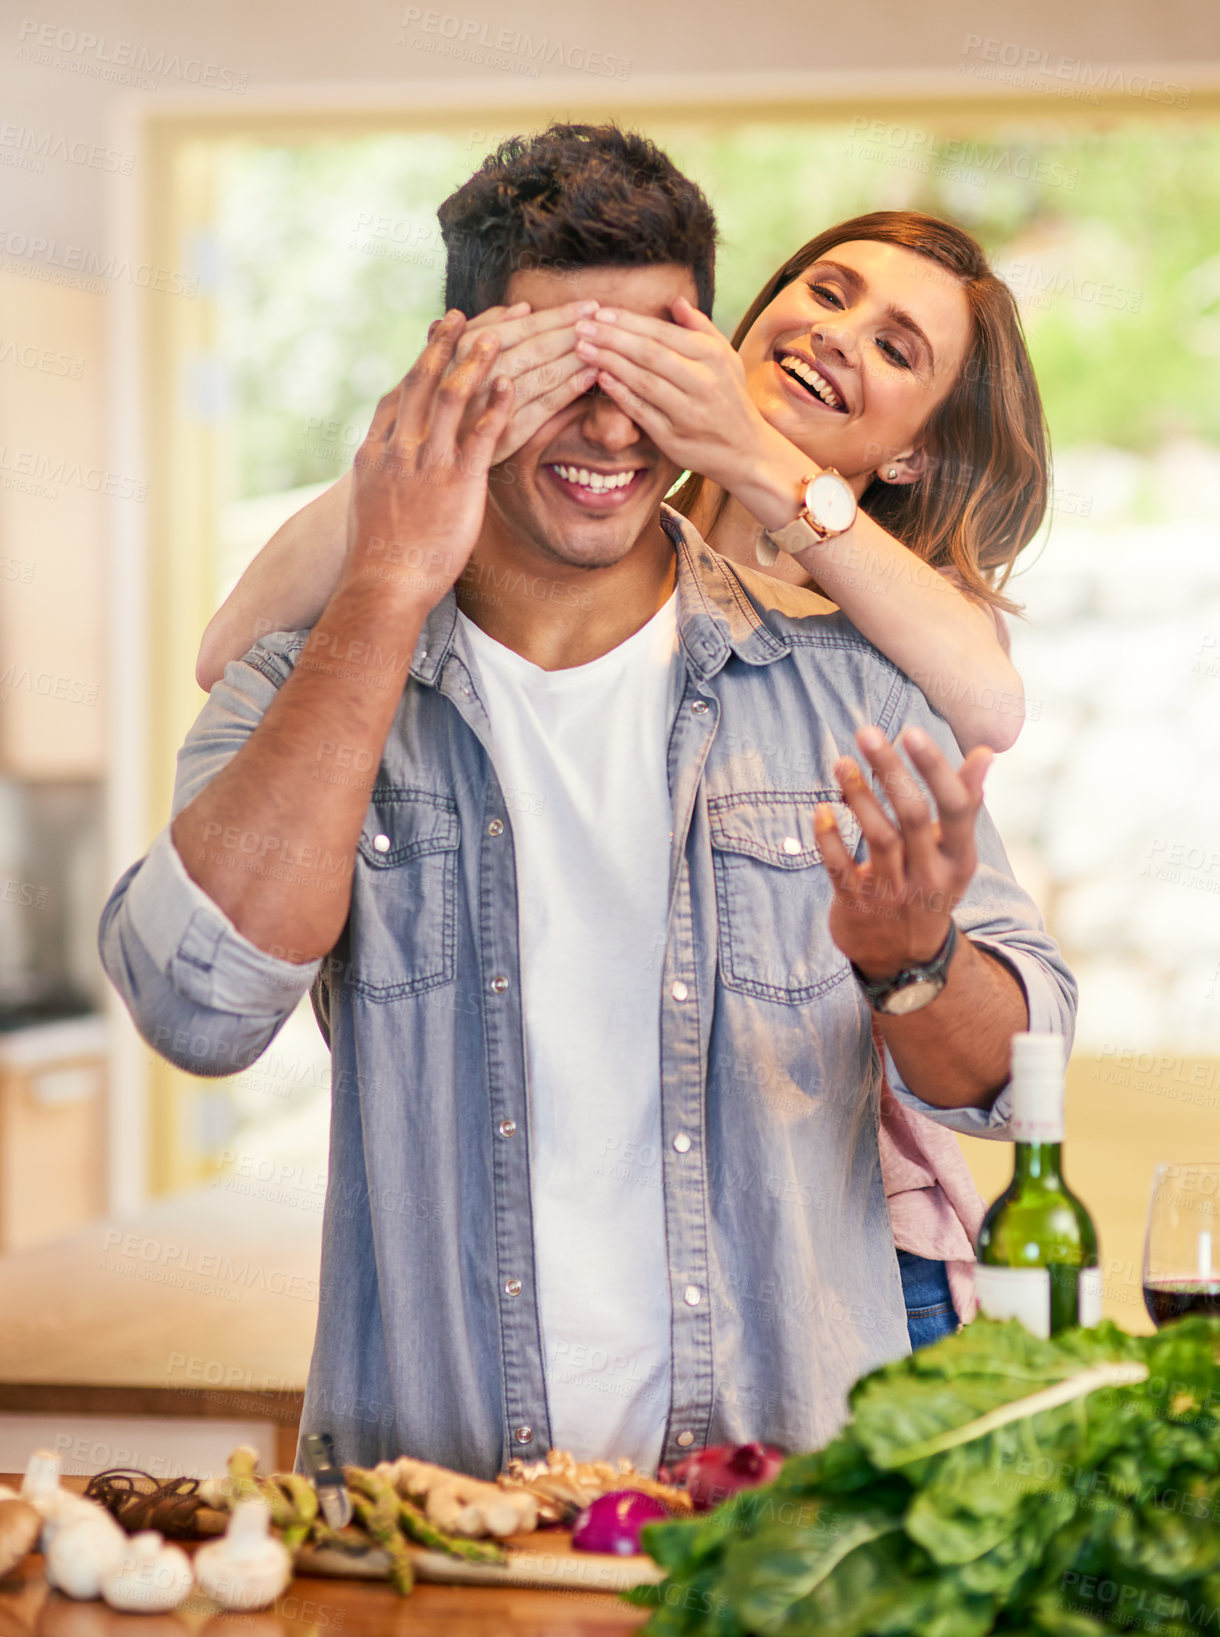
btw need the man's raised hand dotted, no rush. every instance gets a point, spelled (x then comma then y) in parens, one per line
(419, 484)
(892, 910)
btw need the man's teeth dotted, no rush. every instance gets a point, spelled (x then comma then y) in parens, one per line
(599, 482)
(815, 382)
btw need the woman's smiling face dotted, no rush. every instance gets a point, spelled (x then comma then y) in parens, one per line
(852, 357)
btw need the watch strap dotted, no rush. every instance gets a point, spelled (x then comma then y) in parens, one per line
(877, 990)
(804, 531)
(794, 536)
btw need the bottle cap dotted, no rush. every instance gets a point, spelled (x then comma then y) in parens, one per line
(1037, 1087)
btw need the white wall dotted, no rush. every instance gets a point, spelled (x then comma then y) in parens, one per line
(265, 45)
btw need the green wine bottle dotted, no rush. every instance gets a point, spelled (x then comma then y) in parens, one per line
(1037, 1257)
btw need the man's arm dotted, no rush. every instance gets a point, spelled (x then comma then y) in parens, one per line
(892, 910)
(420, 480)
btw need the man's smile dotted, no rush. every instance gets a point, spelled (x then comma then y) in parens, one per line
(595, 489)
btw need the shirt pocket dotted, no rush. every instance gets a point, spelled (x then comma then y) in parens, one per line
(403, 926)
(773, 895)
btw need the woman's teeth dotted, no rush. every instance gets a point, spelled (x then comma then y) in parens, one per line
(598, 482)
(808, 376)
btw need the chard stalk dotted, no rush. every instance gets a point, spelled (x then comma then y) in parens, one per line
(1120, 1373)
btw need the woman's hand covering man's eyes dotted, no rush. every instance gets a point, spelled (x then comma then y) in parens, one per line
(538, 356)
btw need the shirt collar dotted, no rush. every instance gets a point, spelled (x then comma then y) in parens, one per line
(715, 617)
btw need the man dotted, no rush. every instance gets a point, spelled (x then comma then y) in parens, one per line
(603, 1157)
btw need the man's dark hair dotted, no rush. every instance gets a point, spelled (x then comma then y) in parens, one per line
(572, 197)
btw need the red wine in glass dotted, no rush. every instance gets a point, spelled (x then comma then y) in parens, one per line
(1182, 1245)
(1168, 1299)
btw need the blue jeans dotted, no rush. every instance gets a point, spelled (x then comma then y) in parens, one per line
(925, 1289)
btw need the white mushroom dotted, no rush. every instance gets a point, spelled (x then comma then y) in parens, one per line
(83, 1552)
(54, 1504)
(248, 1568)
(41, 1477)
(150, 1577)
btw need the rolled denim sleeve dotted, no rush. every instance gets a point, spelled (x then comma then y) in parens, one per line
(998, 915)
(200, 993)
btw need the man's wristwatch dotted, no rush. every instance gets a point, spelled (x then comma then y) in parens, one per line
(828, 507)
(914, 987)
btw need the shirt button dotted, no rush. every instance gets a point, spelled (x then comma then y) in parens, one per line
(791, 846)
(524, 1435)
(381, 843)
(686, 1439)
(679, 990)
(508, 1128)
(692, 1296)
(495, 828)
(512, 1287)
(682, 1143)
(698, 707)
(499, 984)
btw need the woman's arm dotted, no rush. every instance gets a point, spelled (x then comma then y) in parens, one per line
(950, 645)
(285, 588)
(695, 406)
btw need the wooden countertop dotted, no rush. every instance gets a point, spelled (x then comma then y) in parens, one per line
(323, 1608)
(212, 1290)
(215, 1291)
(203, 1306)
(326, 1608)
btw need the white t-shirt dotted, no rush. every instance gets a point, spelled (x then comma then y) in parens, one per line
(581, 757)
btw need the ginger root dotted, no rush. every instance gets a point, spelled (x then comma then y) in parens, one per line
(461, 1505)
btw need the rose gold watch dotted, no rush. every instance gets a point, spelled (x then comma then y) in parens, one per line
(828, 508)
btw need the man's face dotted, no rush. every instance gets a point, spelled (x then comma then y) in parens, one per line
(589, 483)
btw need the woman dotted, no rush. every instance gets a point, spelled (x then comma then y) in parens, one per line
(945, 448)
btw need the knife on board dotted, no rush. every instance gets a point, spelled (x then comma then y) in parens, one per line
(318, 1449)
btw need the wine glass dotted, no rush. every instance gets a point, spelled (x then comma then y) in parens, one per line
(1182, 1245)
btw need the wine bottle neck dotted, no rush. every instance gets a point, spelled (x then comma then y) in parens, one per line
(1038, 1162)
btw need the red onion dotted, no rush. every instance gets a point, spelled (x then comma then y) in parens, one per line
(612, 1523)
(714, 1474)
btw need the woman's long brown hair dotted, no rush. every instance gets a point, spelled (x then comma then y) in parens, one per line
(986, 485)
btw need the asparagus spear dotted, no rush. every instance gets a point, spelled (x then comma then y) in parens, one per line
(243, 1479)
(420, 1527)
(376, 1505)
(303, 1499)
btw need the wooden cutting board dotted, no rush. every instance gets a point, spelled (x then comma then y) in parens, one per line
(544, 1559)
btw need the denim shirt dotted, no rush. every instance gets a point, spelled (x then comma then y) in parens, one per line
(783, 1279)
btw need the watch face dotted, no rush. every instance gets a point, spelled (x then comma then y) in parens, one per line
(912, 997)
(830, 502)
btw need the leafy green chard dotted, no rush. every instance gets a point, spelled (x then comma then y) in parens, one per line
(995, 1482)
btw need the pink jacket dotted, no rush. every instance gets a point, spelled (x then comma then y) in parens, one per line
(934, 1206)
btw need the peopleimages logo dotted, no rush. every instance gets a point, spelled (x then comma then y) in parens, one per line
(1011, 63)
(101, 57)
(32, 148)
(76, 264)
(470, 39)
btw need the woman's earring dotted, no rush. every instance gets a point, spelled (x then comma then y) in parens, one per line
(892, 473)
